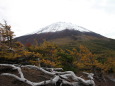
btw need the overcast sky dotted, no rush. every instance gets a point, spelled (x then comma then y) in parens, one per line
(28, 16)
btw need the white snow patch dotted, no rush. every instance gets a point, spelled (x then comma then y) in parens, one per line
(59, 26)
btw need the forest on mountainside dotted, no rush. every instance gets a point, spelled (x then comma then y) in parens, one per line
(50, 55)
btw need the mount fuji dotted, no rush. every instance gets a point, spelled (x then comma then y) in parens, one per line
(59, 26)
(68, 35)
(58, 31)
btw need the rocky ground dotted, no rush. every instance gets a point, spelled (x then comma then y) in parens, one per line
(37, 76)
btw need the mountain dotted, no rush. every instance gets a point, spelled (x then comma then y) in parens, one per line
(59, 26)
(59, 30)
(68, 35)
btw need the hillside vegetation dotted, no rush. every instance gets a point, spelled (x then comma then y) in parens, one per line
(76, 53)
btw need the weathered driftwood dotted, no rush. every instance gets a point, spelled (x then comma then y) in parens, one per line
(62, 76)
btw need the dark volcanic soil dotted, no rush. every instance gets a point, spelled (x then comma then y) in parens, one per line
(35, 76)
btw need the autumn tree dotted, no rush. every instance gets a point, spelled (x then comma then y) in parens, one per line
(81, 59)
(6, 35)
(12, 51)
(109, 65)
(48, 52)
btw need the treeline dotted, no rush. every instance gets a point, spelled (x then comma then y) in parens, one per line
(48, 54)
(77, 59)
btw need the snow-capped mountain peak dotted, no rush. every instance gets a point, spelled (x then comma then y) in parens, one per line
(59, 26)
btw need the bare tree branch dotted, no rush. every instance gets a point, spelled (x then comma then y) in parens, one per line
(63, 76)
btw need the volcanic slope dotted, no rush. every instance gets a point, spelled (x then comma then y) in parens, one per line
(68, 35)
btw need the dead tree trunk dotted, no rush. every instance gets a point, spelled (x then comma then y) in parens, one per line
(57, 77)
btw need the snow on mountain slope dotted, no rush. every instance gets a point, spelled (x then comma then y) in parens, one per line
(59, 26)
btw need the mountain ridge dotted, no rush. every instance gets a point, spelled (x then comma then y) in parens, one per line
(71, 38)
